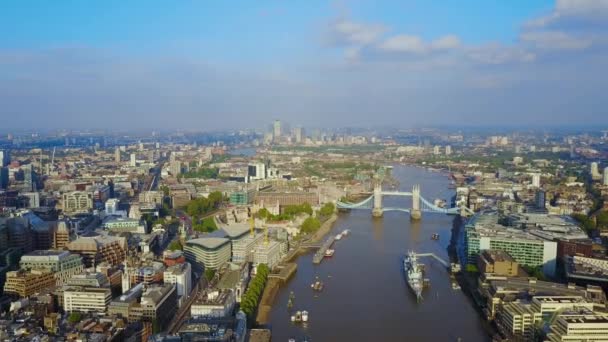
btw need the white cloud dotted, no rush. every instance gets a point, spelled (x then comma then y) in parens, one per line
(500, 54)
(446, 42)
(349, 32)
(414, 44)
(403, 43)
(555, 40)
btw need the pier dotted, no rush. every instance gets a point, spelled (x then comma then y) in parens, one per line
(432, 255)
(320, 254)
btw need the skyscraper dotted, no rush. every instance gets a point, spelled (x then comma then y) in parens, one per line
(28, 177)
(277, 130)
(606, 175)
(595, 172)
(117, 155)
(133, 160)
(5, 158)
(536, 180)
(540, 199)
(297, 133)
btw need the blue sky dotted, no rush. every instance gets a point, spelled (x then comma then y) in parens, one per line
(220, 64)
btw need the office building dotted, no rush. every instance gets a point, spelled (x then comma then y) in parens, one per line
(62, 264)
(5, 158)
(117, 155)
(3, 178)
(61, 236)
(256, 171)
(483, 233)
(579, 325)
(25, 283)
(536, 180)
(297, 133)
(540, 199)
(181, 276)
(448, 150)
(243, 247)
(268, 253)
(214, 304)
(100, 248)
(77, 202)
(595, 172)
(605, 176)
(159, 304)
(210, 252)
(517, 319)
(86, 299)
(133, 160)
(112, 206)
(33, 199)
(28, 178)
(124, 225)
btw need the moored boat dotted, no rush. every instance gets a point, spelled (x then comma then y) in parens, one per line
(329, 252)
(413, 274)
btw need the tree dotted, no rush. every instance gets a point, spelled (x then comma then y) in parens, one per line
(602, 219)
(207, 225)
(327, 209)
(176, 245)
(310, 225)
(209, 273)
(74, 317)
(263, 213)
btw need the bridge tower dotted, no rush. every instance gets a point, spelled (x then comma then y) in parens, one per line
(377, 209)
(415, 213)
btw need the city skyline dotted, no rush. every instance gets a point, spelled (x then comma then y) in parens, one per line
(350, 63)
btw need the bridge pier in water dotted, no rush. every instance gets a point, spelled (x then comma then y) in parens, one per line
(377, 208)
(415, 213)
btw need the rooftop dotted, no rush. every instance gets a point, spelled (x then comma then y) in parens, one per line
(209, 243)
(236, 230)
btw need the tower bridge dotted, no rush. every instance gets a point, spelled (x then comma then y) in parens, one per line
(419, 204)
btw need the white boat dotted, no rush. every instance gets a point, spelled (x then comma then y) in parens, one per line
(345, 232)
(298, 316)
(339, 236)
(304, 316)
(413, 274)
(329, 252)
(293, 318)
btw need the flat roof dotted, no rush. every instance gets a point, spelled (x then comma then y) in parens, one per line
(208, 242)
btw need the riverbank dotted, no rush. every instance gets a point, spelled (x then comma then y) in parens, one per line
(324, 229)
(274, 285)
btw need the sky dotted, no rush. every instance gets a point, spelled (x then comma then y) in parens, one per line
(212, 65)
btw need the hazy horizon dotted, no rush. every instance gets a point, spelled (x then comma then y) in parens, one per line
(213, 66)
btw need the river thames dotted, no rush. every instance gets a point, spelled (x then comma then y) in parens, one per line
(366, 297)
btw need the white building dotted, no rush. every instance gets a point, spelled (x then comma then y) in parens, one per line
(606, 175)
(595, 172)
(209, 252)
(243, 248)
(77, 201)
(214, 304)
(579, 325)
(112, 206)
(267, 253)
(133, 160)
(181, 276)
(536, 180)
(448, 150)
(86, 299)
